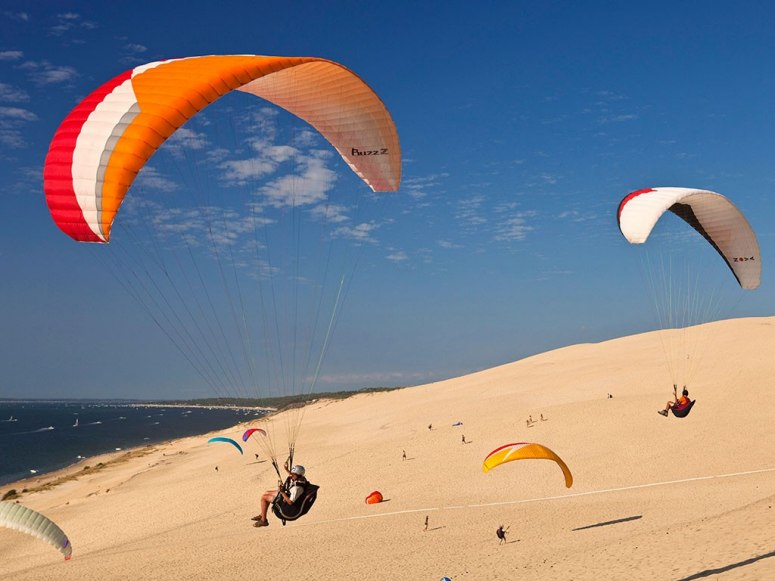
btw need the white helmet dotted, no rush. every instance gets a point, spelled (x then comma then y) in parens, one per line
(299, 470)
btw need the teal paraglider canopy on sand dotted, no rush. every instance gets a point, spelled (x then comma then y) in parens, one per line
(227, 441)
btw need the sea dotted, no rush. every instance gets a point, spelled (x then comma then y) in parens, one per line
(38, 437)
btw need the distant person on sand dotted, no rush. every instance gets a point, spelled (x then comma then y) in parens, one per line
(426, 523)
(464, 438)
(404, 456)
(501, 534)
(676, 401)
(430, 426)
(291, 490)
(543, 419)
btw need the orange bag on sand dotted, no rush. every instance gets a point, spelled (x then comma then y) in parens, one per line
(374, 498)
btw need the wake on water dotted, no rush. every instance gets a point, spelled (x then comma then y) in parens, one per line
(27, 445)
(32, 431)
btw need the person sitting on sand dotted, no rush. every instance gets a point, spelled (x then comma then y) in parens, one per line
(290, 491)
(676, 401)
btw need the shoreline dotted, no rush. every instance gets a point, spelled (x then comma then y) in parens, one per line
(44, 478)
(95, 463)
(267, 409)
(183, 508)
(48, 480)
(120, 403)
(71, 469)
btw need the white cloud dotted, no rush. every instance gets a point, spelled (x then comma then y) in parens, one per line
(241, 171)
(212, 227)
(11, 138)
(448, 245)
(416, 192)
(12, 94)
(134, 53)
(17, 114)
(279, 153)
(330, 213)
(417, 187)
(149, 177)
(608, 96)
(11, 120)
(397, 256)
(576, 216)
(185, 139)
(360, 232)
(308, 187)
(504, 207)
(306, 138)
(135, 48)
(18, 16)
(556, 119)
(469, 211)
(513, 229)
(44, 73)
(621, 118)
(269, 158)
(69, 22)
(262, 123)
(11, 55)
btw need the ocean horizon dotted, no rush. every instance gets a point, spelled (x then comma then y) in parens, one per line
(41, 436)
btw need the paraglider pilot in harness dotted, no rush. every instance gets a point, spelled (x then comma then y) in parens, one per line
(680, 406)
(291, 500)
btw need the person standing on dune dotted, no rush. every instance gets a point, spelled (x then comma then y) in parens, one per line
(501, 534)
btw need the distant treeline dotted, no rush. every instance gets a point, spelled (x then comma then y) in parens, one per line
(279, 403)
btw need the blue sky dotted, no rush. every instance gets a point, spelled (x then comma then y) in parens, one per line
(522, 125)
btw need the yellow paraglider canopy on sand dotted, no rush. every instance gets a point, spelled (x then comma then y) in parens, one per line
(525, 451)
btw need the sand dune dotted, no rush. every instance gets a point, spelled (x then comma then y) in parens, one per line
(653, 498)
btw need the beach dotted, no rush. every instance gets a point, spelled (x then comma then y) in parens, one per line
(652, 498)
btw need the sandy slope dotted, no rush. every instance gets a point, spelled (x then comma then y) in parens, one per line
(642, 505)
